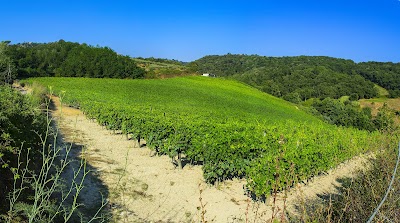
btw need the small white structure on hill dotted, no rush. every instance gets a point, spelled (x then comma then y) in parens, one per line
(208, 75)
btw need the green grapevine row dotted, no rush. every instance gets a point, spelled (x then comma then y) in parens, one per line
(238, 149)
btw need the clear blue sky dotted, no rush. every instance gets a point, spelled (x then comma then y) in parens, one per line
(188, 30)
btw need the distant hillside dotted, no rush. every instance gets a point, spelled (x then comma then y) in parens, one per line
(163, 68)
(292, 78)
(230, 64)
(160, 61)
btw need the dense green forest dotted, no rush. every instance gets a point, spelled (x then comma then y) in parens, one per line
(300, 78)
(68, 59)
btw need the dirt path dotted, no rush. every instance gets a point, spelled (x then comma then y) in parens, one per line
(142, 188)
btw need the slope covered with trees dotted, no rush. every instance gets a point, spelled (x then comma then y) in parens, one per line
(386, 75)
(68, 59)
(292, 78)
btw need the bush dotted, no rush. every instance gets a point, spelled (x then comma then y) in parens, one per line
(354, 97)
(21, 127)
(345, 114)
(358, 197)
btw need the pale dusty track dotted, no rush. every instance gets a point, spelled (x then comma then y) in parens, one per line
(150, 189)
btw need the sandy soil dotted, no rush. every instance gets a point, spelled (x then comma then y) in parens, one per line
(142, 188)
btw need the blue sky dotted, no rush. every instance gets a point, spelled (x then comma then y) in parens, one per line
(188, 30)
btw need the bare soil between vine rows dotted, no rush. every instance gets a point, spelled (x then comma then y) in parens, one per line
(146, 188)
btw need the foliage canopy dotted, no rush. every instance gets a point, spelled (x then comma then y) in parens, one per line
(68, 59)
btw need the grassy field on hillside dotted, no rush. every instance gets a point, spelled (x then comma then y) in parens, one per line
(232, 129)
(382, 92)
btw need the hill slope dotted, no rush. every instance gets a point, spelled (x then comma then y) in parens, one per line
(232, 129)
(163, 68)
(199, 96)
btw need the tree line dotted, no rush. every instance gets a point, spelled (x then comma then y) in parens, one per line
(68, 59)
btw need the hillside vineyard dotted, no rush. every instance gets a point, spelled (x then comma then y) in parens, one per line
(231, 129)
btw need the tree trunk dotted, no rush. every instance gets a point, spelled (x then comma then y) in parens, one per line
(179, 161)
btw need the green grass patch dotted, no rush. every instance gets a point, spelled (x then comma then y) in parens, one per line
(375, 100)
(382, 92)
(344, 98)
